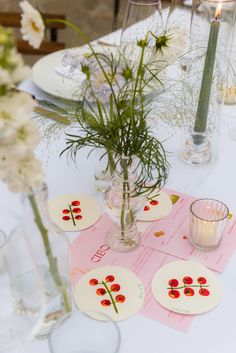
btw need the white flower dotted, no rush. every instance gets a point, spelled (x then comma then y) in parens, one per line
(23, 175)
(32, 26)
(170, 45)
(6, 160)
(24, 139)
(5, 79)
(20, 73)
(15, 59)
(15, 111)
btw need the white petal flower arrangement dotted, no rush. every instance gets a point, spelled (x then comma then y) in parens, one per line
(19, 135)
(12, 68)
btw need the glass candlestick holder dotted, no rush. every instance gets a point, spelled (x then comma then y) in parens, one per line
(212, 22)
(207, 223)
(229, 90)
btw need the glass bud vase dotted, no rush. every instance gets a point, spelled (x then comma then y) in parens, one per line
(50, 249)
(211, 22)
(122, 204)
(103, 173)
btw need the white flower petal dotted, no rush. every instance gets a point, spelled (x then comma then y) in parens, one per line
(32, 26)
(15, 110)
(23, 174)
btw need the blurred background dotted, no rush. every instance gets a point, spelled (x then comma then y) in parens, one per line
(94, 17)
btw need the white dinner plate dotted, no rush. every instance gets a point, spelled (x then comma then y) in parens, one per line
(46, 77)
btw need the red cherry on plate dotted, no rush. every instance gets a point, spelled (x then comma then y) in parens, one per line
(146, 208)
(93, 282)
(189, 292)
(154, 202)
(106, 302)
(173, 293)
(115, 287)
(66, 218)
(66, 211)
(187, 280)
(75, 203)
(110, 278)
(173, 282)
(120, 298)
(78, 217)
(202, 280)
(76, 210)
(101, 291)
(204, 292)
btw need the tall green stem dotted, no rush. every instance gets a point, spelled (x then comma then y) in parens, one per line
(52, 261)
(111, 163)
(125, 199)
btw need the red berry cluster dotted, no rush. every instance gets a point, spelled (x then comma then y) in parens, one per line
(188, 287)
(108, 289)
(153, 203)
(72, 212)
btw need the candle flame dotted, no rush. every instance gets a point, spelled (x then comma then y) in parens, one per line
(218, 10)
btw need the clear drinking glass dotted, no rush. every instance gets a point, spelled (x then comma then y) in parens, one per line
(79, 333)
(18, 270)
(207, 223)
(142, 16)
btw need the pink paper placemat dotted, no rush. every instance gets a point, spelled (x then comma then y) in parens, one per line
(89, 250)
(174, 234)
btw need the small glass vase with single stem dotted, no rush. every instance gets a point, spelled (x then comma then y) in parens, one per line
(122, 204)
(50, 248)
(142, 17)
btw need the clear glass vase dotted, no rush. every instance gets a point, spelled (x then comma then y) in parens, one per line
(21, 286)
(141, 17)
(50, 249)
(104, 172)
(211, 24)
(122, 204)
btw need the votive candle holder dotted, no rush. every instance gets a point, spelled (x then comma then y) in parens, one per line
(208, 219)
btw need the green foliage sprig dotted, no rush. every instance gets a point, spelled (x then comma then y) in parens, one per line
(119, 126)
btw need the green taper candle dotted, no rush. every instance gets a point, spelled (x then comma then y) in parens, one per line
(205, 92)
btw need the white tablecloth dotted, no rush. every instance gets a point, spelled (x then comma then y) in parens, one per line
(210, 332)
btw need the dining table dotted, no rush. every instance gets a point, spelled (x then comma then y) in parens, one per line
(213, 331)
